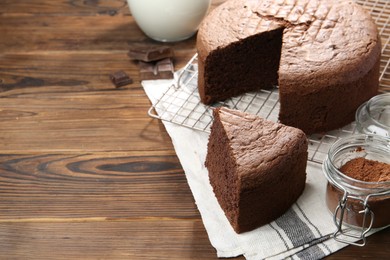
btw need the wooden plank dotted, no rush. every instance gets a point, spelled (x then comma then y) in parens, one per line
(62, 72)
(43, 34)
(86, 136)
(90, 121)
(62, 7)
(158, 239)
(377, 247)
(67, 33)
(61, 101)
(27, 73)
(93, 186)
(70, 8)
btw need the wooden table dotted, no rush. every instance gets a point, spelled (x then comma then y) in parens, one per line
(84, 172)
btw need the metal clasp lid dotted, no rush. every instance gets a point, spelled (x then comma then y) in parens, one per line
(350, 234)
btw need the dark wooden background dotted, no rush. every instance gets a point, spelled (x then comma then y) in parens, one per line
(84, 172)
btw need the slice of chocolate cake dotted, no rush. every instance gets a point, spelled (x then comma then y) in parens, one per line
(257, 168)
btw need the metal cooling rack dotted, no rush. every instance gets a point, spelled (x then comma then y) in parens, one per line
(180, 104)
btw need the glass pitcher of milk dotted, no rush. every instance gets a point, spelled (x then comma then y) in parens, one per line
(169, 20)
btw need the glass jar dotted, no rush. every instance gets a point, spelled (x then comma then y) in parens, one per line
(355, 204)
(373, 116)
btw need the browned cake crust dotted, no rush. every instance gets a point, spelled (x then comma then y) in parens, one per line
(324, 55)
(257, 168)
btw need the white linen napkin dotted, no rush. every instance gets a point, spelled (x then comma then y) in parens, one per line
(303, 232)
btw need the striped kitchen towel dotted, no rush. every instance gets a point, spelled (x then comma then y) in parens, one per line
(303, 232)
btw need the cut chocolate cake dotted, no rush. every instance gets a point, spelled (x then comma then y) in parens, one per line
(257, 168)
(323, 55)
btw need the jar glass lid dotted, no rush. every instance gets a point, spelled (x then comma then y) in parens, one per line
(373, 116)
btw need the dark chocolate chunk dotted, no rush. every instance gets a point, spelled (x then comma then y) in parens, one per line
(120, 78)
(148, 54)
(162, 69)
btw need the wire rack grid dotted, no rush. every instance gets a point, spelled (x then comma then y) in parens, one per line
(180, 104)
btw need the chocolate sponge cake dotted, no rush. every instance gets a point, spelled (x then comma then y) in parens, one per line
(323, 54)
(257, 168)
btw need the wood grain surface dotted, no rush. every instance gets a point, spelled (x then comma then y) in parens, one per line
(84, 172)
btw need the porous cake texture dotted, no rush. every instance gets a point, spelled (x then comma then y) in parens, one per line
(323, 54)
(257, 168)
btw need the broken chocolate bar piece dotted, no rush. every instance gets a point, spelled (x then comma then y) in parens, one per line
(151, 53)
(120, 78)
(162, 69)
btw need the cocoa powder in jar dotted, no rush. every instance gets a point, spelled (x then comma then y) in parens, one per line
(368, 171)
